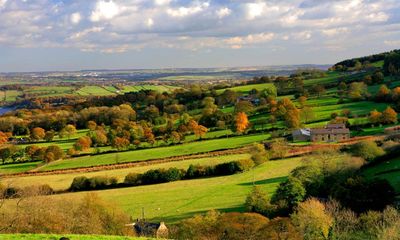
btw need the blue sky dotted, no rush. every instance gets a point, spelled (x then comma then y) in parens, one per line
(37, 35)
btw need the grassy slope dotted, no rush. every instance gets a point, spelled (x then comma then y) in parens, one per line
(58, 236)
(247, 88)
(380, 171)
(18, 167)
(63, 181)
(147, 154)
(176, 200)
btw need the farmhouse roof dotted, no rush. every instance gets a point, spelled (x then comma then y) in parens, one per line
(335, 125)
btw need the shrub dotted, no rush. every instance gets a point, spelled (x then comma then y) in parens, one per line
(367, 150)
(79, 184)
(173, 174)
(98, 182)
(133, 179)
(228, 168)
(245, 164)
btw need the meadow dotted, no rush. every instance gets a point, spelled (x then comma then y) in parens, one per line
(63, 181)
(174, 201)
(155, 153)
(249, 87)
(389, 170)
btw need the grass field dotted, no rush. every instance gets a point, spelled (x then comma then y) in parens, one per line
(69, 236)
(18, 167)
(63, 181)
(389, 170)
(9, 95)
(154, 153)
(181, 199)
(248, 88)
(94, 90)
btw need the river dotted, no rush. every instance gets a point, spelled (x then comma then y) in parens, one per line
(5, 110)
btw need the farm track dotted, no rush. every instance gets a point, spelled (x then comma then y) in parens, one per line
(114, 166)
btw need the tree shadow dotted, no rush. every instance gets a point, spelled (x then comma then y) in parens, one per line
(265, 181)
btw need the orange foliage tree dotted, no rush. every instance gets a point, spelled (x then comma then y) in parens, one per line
(198, 130)
(241, 122)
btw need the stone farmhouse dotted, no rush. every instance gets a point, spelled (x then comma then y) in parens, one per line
(330, 133)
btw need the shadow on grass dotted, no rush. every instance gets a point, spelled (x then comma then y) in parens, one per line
(265, 181)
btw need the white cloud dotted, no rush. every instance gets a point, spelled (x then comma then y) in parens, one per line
(150, 22)
(105, 10)
(162, 2)
(392, 43)
(186, 11)
(334, 31)
(304, 35)
(2, 3)
(75, 18)
(223, 12)
(238, 42)
(255, 10)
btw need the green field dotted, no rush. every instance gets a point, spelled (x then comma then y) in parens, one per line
(94, 91)
(174, 201)
(17, 167)
(159, 88)
(63, 181)
(154, 153)
(9, 95)
(70, 236)
(389, 170)
(248, 88)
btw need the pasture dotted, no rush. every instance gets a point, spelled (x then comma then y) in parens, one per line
(155, 153)
(249, 87)
(389, 170)
(17, 167)
(174, 201)
(63, 181)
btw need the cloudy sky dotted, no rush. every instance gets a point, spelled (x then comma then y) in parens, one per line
(38, 35)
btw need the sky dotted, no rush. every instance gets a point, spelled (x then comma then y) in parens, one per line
(51, 35)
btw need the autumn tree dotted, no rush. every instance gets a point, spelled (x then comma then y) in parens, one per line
(68, 131)
(91, 125)
(3, 138)
(37, 133)
(258, 153)
(389, 116)
(241, 122)
(120, 143)
(83, 143)
(198, 130)
(49, 135)
(313, 220)
(375, 117)
(149, 136)
(383, 93)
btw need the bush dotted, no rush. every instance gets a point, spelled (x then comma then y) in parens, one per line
(228, 168)
(133, 179)
(79, 184)
(245, 164)
(198, 171)
(367, 150)
(94, 183)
